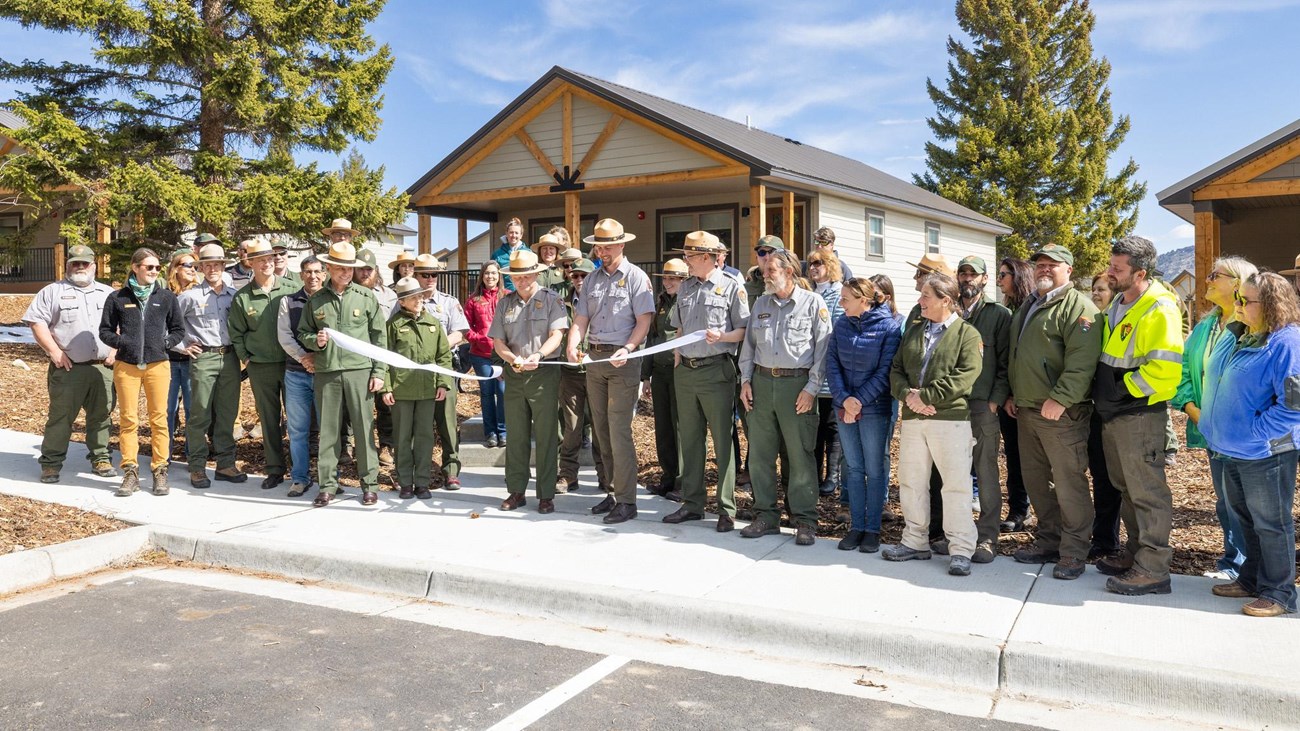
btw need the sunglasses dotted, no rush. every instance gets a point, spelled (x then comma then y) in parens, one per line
(1003, 274)
(150, 267)
(812, 264)
(1242, 301)
(427, 275)
(280, 254)
(764, 252)
(187, 265)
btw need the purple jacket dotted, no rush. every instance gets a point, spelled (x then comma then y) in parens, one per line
(859, 356)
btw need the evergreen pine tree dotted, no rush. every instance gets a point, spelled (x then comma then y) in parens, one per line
(1027, 111)
(190, 115)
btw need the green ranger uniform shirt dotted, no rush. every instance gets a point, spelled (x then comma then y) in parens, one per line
(292, 276)
(554, 280)
(355, 312)
(791, 333)
(524, 326)
(422, 339)
(205, 313)
(718, 303)
(1055, 344)
(252, 324)
(661, 331)
(447, 311)
(72, 314)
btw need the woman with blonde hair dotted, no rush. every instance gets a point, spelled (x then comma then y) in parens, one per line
(827, 279)
(182, 273)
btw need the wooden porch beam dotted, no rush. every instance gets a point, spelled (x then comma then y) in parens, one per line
(537, 153)
(1256, 189)
(787, 219)
(424, 239)
(1208, 245)
(1254, 168)
(462, 253)
(573, 216)
(587, 159)
(566, 130)
(757, 221)
(627, 181)
(6, 146)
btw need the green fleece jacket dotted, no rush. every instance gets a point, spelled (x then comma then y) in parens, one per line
(1054, 350)
(357, 313)
(420, 338)
(993, 321)
(954, 367)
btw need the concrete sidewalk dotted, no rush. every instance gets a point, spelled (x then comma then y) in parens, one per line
(1007, 631)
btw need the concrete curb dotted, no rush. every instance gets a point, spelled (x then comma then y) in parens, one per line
(38, 566)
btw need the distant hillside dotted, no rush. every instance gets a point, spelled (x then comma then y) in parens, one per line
(1172, 263)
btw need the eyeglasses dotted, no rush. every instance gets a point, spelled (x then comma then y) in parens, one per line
(1003, 274)
(578, 275)
(1217, 275)
(1242, 301)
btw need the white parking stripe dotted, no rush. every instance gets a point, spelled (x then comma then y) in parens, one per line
(524, 717)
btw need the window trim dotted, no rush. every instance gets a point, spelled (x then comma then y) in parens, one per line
(938, 235)
(559, 221)
(868, 214)
(734, 208)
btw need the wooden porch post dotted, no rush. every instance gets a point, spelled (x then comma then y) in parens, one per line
(573, 217)
(60, 260)
(462, 253)
(787, 218)
(757, 223)
(103, 237)
(424, 241)
(1208, 245)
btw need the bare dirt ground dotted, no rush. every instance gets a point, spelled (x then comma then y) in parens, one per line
(1196, 538)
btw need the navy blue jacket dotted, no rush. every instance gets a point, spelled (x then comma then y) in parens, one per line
(859, 356)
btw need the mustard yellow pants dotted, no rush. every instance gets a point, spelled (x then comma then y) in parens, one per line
(128, 379)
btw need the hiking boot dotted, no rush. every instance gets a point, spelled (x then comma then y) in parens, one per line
(1263, 608)
(1035, 554)
(160, 481)
(1116, 564)
(130, 481)
(50, 475)
(758, 528)
(984, 552)
(1014, 523)
(939, 546)
(805, 534)
(230, 474)
(900, 552)
(870, 542)
(102, 468)
(1068, 569)
(852, 540)
(298, 489)
(386, 456)
(1136, 582)
(199, 480)
(959, 566)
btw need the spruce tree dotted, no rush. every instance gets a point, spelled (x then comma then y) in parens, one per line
(1027, 112)
(190, 115)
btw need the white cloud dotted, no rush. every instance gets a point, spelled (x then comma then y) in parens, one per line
(1175, 26)
(1182, 232)
(586, 14)
(886, 29)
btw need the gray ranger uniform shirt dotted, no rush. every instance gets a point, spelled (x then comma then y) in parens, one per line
(205, 313)
(387, 300)
(718, 303)
(447, 311)
(72, 313)
(524, 326)
(791, 333)
(611, 302)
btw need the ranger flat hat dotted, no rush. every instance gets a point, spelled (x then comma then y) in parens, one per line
(340, 224)
(548, 240)
(406, 257)
(256, 247)
(409, 287)
(770, 242)
(702, 242)
(570, 254)
(1055, 252)
(1284, 271)
(674, 268)
(608, 231)
(524, 261)
(81, 253)
(214, 252)
(341, 254)
(429, 263)
(934, 264)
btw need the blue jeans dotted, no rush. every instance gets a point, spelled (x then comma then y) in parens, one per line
(299, 403)
(866, 451)
(1234, 548)
(178, 391)
(1261, 496)
(492, 396)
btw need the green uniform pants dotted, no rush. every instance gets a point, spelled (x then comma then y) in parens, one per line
(706, 399)
(773, 424)
(88, 387)
(214, 386)
(575, 418)
(1054, 463)
(444, 421)
(611, 395)
(335, 391)
(531, 403)
(413, 441)
(1135, 460)
(668, 446)
(267, 383)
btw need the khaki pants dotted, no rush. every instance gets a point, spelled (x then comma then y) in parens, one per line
(1135, 461)
(946, 445)
(1054, 463)
(574, 417)
(611, 394)
(154, 379)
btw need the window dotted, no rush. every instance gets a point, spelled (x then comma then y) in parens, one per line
(10, 224)
(931, 238)
(539, 226)
(674, 224)
(875, 234)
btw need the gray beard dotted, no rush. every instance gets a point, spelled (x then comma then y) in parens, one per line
(970, 292)
(1045, 284)
(80, 279)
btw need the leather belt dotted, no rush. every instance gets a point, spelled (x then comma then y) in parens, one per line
(223, 349)
(89, 362)
(782, 372)
(701, 362)
(603, 348)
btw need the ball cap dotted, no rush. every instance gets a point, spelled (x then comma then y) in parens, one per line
(974, 262)
(1055, 252)
(81, 253)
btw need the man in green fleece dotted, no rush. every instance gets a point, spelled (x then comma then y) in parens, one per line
(1055, 342)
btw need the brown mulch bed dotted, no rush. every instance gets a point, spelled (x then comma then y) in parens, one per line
(1196, 537)
(27, 524)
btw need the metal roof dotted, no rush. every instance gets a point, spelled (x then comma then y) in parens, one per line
(9, 120)
(767, 154)
(1177, 198)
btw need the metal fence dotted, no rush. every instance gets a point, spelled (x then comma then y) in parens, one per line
(36, 265)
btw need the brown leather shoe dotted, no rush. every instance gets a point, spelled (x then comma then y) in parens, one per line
(1262, 607)
(725, 523)
(1233, 590)
(1116, 564)
(545, 507)
(661, 489)
(369, 498)
(805, 534)
(1068, 569)
(682, 515)
(604, 506)
(514, 502)
(199, 480)
(406, 492)
(759, 527)
(621, 513)
(1136, 582)
(322, 499)
(50, 475)
(230, 474)
(423, 493)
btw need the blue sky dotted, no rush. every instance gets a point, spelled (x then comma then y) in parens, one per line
(1198, 78)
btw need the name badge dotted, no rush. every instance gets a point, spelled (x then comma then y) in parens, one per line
(764, 315)
(128, 306)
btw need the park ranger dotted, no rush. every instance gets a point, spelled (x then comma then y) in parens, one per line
(253, 334)
(412, 393)
(705, 373)
(527, 328)
(548, 248)
(344, 379)
(214, 370)
(447, 311)
(64, 317)
(782, 362)
(575, 415)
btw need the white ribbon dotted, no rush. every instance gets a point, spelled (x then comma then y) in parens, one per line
(675, 343)
(374, 352)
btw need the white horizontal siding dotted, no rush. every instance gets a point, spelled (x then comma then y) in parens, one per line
(547, 130)
(509, 166)
(636, 150)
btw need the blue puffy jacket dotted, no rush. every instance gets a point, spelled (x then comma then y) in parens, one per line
(1251, 405)
(859, 356)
